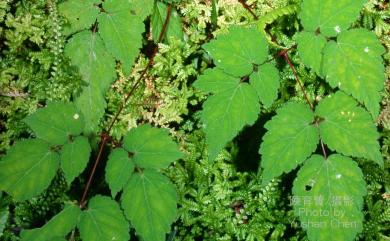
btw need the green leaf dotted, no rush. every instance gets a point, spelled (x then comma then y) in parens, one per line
(75, 157)
(152, 147)
(28, 169)
(149, 201)
(103, 220)
(56, 122)
(310, 47)
(80, 14)
(328, 198)
(97, 67)
(121, 31)
(347, 128)
(216, 81)
(330, 17)
(59, 226)
(92, 103)
(266, 81)
(4, 213)
(354, 64)
(142, 8)
(291, 138)
(118, 170)
(228, 111)
(237, 52)
(174, 27)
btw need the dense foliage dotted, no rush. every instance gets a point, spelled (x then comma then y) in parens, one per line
(194, 120)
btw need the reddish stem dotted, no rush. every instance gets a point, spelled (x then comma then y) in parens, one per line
(284, 54)
(105, 137)
(248, 8)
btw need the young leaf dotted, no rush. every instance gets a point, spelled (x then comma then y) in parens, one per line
(97, 67)
(28, 169)
(118, 170)
(59, 226)
(149, 201)
(80, 14)
(228, 111)
(354, 64)
(152, 147)
(174, 27)
(310, 47)
(347, 128)
(56, 122)
(266, 82)
(237, 52)
(291, 138)
(121, 31)
(329, 197)
(75, 157)
(103, 220)
(329, 17)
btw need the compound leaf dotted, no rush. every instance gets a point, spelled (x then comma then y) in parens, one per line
(266, 82)
(329, 197)
(56, 122)
(347, 128)
(310, 48)
(291, 138)
(97, 67)
(174, 28)
(224, 114)
(329, 17)
(152, 147)
(75, 157)
(28, 169)
(118, 170)
(354, 64)
(103, 220)
(59, 226)
(80, 14)
(237, 52)
(121, 31)
(149, 201)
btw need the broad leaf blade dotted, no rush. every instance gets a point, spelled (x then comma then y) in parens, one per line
(354, 64)
(216, 81)
(291, 138)
(149, 202)
(174, 28)
(97, 67)
(347, 128)
(329, 17)
(141, 8)
(329, 198)
(28, 169)
(310, 47)
(75, 157)
(266, 82)
(238, 51)
(59, 226)
(152, 147)
(121, 31)
(80, 14)
(56, 122)
(103, 220)
(226, 113)
(118, 170)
